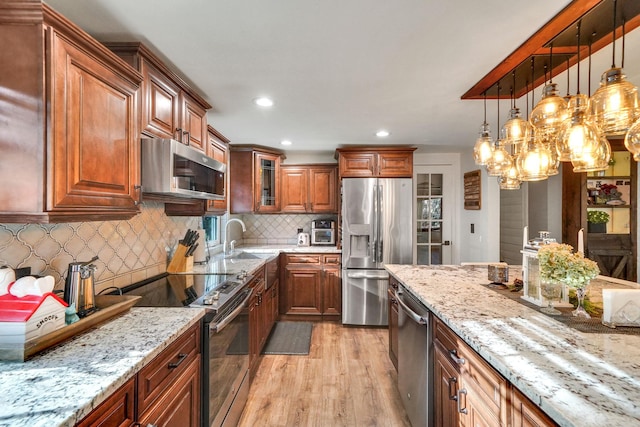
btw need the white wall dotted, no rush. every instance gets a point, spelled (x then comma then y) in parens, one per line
(484, 244)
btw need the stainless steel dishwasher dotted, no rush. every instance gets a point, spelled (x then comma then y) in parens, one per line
(415, 359)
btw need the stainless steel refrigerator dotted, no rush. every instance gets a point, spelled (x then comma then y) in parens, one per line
(376, 230)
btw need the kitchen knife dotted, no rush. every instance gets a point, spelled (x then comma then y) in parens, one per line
(191, 250)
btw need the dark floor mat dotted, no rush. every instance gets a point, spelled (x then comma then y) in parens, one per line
(289, 338)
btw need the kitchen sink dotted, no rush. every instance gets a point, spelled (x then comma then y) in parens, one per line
(250, 255)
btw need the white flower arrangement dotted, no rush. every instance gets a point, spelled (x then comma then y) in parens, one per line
(558, 263)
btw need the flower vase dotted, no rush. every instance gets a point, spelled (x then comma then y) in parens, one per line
(551, 291)
(580, 311)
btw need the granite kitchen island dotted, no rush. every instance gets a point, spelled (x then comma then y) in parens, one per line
(578, 379)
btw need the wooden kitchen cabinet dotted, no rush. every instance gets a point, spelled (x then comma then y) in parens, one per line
(311, 286)
(481, 394)
(170, 107)
(445, 389)
(393, 321)
(526, 414)
(260, 314)
(309, 188)
(179, 406)
(71, 141)
(469, 392)
(166, 392)
(116, 411)
(331, 287)
(383, 162)
(254, 179)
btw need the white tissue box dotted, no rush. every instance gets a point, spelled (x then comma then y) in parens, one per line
(621, 307)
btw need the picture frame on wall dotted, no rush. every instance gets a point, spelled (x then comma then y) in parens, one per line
(472, 190)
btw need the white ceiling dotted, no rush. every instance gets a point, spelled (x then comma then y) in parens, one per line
(338, 70)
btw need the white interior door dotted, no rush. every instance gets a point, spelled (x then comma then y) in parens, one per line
(434, 196)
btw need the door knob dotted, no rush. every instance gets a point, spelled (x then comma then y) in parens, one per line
(446, 243)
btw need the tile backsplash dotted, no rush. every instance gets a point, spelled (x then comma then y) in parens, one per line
(129, 251)
(277, 229)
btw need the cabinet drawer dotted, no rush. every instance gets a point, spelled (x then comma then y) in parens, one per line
(331, 259)
(117, 410)
(303, 259)
(158, 375)
(446, 338)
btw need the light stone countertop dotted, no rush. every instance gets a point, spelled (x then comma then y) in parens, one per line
(219, 264)
(578, 379)
(61, 386)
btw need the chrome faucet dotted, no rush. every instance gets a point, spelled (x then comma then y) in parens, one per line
(226, 248)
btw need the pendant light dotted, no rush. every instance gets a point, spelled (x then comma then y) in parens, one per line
(534, 159)
(551, 111)
(483, 148)
(500, 159)
(516, 130)
(577, 136)
(510, 179)
(614, 105)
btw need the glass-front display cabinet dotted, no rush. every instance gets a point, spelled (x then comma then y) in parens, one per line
(267, 182)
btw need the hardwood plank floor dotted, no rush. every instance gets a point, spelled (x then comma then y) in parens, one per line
(346, 380)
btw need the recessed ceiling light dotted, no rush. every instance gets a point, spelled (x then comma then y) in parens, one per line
(382, 133)
(263, 101)
(285, 142)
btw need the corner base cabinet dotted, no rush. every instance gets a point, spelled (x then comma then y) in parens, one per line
(71, 144)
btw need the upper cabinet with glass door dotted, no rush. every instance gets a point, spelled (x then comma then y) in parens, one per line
(254, 179)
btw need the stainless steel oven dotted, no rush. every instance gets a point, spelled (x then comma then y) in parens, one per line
(225, 337)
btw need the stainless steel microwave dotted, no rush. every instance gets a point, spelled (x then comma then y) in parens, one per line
(171, 168)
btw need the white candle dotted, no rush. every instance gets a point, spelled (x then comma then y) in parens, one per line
(581, 241)
(525, 236)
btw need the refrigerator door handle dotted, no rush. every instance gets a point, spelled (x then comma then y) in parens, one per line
(380, 188)
(376, 225)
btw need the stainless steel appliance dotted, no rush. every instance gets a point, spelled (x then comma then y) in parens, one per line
(79, 287)
(225, 337)
(323, 232)
(415, 359)
(376, 230)
(171, 168)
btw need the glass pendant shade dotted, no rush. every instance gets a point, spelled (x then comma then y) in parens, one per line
(533, 162)
(500, 160)
(483, 149)
(570, 137)
(516, 130)
(547, 116)
(510, 180)
(554, 160)
(593, 160)
(614, 105)
(632, 140)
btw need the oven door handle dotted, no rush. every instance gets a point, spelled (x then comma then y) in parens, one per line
(224, 322)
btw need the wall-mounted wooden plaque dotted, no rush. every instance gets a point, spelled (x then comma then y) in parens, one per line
(472, 195)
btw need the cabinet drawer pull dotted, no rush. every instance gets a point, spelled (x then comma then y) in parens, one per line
(454, 356)
(452, 395)
(458, 398)
(181, 358)
(188, 138)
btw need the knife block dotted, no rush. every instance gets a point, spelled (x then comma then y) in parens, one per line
(180, 263)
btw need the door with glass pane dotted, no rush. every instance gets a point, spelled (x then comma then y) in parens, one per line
(434, 211)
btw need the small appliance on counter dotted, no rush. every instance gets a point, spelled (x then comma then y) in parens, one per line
(323, 232)
(303, 238)
(79, 288)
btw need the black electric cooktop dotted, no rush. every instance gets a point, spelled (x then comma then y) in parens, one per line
(181, 290)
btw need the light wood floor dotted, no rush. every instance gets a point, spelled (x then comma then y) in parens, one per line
(346, 380)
